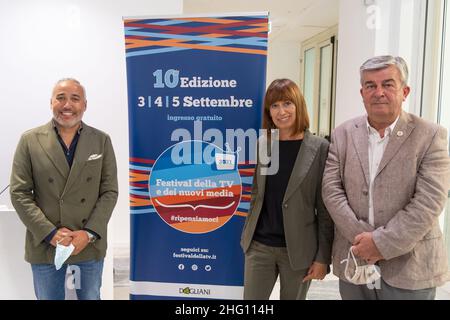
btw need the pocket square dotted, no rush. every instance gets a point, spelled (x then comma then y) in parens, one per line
(94, 157)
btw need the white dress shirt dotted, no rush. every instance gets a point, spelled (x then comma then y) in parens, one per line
(377, 145)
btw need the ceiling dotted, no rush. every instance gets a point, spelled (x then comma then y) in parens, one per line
(291, 20)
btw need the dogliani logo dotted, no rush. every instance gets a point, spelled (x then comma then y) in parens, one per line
(196, 291)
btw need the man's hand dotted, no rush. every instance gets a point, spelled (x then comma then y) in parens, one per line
(80, 241)
(364, 247)
(62, 236)
(316, 271)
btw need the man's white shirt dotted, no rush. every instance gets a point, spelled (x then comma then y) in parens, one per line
(377, 145)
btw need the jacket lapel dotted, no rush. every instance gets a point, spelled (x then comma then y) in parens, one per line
(265, 149)
(305, 158)
(81, 155)
(49, 142)
(261, 183)
(360, 139)
(401, 132)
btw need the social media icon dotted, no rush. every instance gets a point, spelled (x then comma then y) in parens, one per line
(208, 267)
(181, 266)
(194, 267)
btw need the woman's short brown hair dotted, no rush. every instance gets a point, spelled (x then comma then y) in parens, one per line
(286, 90)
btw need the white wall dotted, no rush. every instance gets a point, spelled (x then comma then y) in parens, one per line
(15, 274)
(283, 61)
(43, 41)
(380, 27)
(356, 44)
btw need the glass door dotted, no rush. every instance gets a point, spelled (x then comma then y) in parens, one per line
(309, 60)
(325, 87)
(444, 102)
(318, 62)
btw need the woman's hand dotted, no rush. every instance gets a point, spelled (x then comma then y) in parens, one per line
(316, 271)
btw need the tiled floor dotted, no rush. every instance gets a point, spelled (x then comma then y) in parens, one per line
(326, 289)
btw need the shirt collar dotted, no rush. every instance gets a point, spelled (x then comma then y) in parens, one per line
(387, 131)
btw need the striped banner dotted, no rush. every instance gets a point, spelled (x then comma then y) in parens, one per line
(195, 90)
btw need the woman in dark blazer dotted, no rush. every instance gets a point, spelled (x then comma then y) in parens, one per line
(288, 231)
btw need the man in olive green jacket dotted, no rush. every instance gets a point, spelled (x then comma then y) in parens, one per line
(64, 189)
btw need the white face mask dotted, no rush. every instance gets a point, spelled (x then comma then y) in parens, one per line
(62, 253)
(363, 274)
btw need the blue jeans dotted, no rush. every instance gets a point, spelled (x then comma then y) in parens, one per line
(86, 278)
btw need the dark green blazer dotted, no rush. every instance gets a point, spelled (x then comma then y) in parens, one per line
(307, 225)
(47, 194)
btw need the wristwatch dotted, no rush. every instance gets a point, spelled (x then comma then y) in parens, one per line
(92, 238)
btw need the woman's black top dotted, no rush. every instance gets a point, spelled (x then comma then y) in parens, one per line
(270, 229)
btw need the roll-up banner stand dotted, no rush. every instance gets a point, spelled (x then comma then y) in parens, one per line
(195, 93)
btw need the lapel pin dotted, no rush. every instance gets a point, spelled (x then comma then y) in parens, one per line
(399, 133)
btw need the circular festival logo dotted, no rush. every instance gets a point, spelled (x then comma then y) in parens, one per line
(195, 186)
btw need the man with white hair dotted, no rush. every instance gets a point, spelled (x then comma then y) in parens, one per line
(385, 184)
